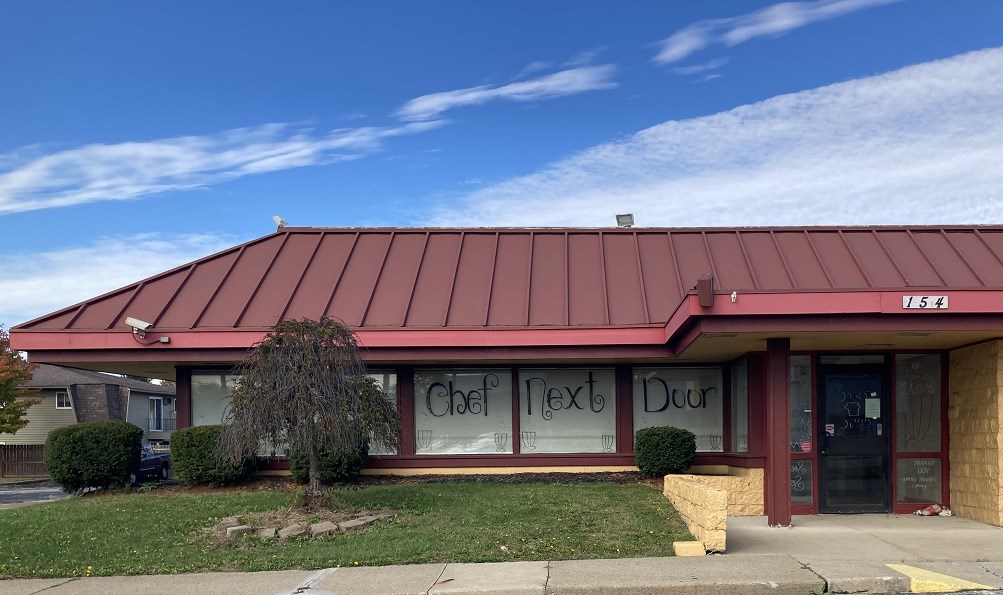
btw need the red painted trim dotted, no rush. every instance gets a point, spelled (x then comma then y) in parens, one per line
(778, 431)
(827, 303)
(387, 356)
(368, 338)
(524, 460)
(516, 414)
(757, 404)
(945, 427)
(726, 392)
(624, 383)
(816, 407)
(405, 402)
(183, 397)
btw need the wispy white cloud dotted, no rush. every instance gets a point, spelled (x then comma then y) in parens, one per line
(699, 68)
(38, 283)
(585, 57)
(559, 84)
(918, 145)
(126, 170)
(770, 21)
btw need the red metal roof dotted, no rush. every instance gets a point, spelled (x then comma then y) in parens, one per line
(527, 278)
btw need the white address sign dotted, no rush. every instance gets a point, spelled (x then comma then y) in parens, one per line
(924, 302)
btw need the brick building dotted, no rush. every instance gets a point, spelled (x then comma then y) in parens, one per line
(828, 369)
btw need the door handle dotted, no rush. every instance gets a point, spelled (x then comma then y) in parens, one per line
(826, 443)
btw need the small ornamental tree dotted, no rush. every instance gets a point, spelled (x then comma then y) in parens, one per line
(305, 387)
(14, 399)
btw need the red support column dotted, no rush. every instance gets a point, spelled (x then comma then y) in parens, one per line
(405, 408)
(183, 397)
(778, 432)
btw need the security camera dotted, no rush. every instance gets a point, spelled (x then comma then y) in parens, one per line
(138, 324)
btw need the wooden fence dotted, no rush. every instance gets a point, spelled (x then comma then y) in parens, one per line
(21, 460)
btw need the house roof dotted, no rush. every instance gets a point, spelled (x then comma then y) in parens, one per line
(48, 376)
(440, 278)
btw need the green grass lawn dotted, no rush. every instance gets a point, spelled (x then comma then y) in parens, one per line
(152, 533)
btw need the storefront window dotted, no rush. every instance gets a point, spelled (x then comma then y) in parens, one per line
(919, 480)
(740, 406)
(801, 481)
(917, 403)
(463, 412)
(688, 398)
(567, 410)
(387, 382)
(211, 396)
(801, 424)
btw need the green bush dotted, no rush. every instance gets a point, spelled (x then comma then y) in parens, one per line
(97, 454)
(335, 466)
(662, 450)
(193, 458)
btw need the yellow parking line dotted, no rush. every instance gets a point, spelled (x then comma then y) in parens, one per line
(926, 581)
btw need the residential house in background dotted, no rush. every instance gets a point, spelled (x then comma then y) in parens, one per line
(68, 396)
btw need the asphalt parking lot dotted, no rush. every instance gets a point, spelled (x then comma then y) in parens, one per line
(23, 494)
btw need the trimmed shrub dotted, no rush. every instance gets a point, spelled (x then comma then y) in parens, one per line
(98, 454)
(663, 450)
(335, 466)
(193, 458)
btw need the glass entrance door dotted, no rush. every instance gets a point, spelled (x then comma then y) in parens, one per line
(854, 413)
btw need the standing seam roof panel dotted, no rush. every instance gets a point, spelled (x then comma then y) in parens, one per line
(277, 287)
(694, 261)
(152, 298)
(471, 287)
(661, 280)
(979, 257)
(732, 272)
(241, 283)
(396, 283)
(358, 281)
(322, 273)
(838, 260)
(806, 269)
(510, 287)
(587, 297)
(623, 284)
(435, 280)
(767, 262)
(195, 294)
(910, 259)
(548, 289)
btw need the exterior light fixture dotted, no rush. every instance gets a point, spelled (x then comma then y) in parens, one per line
(625, 220)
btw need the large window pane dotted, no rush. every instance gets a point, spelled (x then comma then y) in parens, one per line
(463, 412)
(919, 480)
(740, 406)
(801, 403)
(567, 410)
(917, 403)
(388, 382)
(688, 398)
(801, 492)
(211, 396)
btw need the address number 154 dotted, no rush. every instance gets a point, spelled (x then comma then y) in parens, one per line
(925, 302)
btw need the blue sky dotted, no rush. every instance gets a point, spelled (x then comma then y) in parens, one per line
(135, 137)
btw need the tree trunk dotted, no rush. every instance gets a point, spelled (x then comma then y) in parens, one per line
(314, 485)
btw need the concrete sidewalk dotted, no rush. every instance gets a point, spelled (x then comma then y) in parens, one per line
(844, 554)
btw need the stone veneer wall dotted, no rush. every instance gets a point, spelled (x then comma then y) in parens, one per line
(703, 508)
(975, 413)
(744, 486)
(95, 402)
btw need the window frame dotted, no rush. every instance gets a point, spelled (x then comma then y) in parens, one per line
(65, 394)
